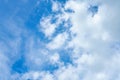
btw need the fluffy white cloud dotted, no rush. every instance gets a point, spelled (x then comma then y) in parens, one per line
(54, 58)
(35, 75)
(56, 6)
(58, 41)
(95, 54)
(47, 27)
(96, 35)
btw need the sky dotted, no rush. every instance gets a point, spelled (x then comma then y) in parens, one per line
(59, 40)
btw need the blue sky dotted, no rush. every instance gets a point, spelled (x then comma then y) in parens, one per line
(59, 40)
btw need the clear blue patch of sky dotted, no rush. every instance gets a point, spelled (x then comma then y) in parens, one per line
(40, 10)
(61, 1)
(5, 32)
(13, 8)
(65, 56)
(50, 67)
(19, 66)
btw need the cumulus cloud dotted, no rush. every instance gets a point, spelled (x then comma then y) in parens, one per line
(95, 34)
(58, 41)
(93, 41)
(37, 75)
(56, 6)
(47, 27)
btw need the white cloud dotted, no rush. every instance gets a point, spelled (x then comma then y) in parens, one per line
(56, 6)
(67, 73)
(54, 58)
(58, 41)
(91, 31)
(95, 35)
(36, 54)
(35, 75)
(47, 27)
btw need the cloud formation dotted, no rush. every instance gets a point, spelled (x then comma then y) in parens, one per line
(83, 43)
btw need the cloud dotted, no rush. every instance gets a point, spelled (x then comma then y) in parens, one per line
(5, 70)
(56, 6)
(92, 55)
(47, 27)
(58, 41)
(10, 43)
(95, 35)
(91, 41)
(37, 75)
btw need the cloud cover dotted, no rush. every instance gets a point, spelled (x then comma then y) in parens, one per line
(91, 42)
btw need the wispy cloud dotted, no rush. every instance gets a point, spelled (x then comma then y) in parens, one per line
(82, 43)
